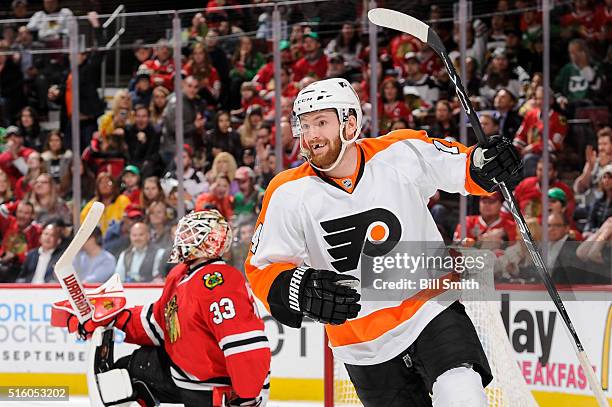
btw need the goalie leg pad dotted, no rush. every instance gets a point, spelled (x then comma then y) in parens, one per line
(459, 387)
(114, 386)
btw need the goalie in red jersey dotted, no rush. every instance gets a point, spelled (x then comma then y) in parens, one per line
(202, 341)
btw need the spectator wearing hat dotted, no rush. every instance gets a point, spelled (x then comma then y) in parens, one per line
(39, 262)
(142, 92)
(117, 237)
(13, 159)
(19, 235)
(499, 74)
(142, 54)
(557, 203)
(19, 9)
(162, 66)
(490, 218)
(193, 119)
(107, 192)
(529, 137)
(94, 264)
(509, 120)
(140, 262)
(314, 62)
(529, 195)
(194, 181)
(265, 74)
(601, 209)
(585, 185)
(143, 142)
(428, 90)
(130, 182)
(247, 197)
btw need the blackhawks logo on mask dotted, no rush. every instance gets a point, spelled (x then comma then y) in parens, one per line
(211, 280)
(172, 322)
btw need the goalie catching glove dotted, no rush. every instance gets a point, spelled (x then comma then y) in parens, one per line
(321, 295)
(494, 163)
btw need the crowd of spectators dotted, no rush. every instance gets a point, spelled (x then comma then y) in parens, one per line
(128, 145)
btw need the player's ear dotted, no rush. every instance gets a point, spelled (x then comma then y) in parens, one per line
(350, 128)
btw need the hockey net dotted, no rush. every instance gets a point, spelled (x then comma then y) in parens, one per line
(508, 388)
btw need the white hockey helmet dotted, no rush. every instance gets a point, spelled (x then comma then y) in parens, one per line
(335, 93)
(202, 234)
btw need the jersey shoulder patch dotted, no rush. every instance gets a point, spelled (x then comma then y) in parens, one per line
(212, 279)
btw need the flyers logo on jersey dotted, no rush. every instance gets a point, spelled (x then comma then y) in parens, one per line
(374, 233)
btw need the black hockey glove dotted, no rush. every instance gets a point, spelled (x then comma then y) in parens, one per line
(322, 295)
(494, 163)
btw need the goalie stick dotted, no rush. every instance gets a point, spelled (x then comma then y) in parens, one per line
(65, 272)
(410, 25)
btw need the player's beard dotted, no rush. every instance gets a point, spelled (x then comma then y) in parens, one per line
(326, 159)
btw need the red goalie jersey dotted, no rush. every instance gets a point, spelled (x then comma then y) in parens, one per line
(208, 323)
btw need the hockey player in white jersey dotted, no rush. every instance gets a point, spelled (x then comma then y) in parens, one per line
(353, 195)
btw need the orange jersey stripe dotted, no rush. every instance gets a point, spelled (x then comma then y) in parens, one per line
(379, 322)
(373, 146)
(261, 279)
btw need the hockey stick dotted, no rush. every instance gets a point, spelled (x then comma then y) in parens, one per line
(65, 272)
(410, 25)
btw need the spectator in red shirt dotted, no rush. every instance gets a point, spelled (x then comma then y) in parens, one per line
(266, 72)
(200, 67)
(314, 62)
(491, 217)
(580, 21)
(392, 105)
(291, 145)
(162, 66)
(528, 139)
(529, 195)
(13, 159)
(35, 168)
(130, 180)
(218, 197)
(19, 236)
(603, 21)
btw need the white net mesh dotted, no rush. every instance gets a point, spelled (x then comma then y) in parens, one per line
(508, 388)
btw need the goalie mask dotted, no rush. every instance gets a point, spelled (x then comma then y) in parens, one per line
(335, 93)
(204, 234)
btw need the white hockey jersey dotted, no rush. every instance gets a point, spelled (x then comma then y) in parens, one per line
(308, 219)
